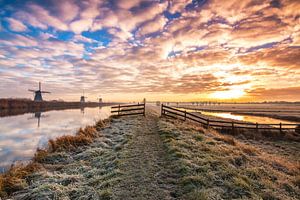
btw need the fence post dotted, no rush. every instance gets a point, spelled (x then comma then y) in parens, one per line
(119, 110)
(207, 123)
(280, 127)
(184, 115)
(232, 125)
(256, 127)
(161, 109)
(144, 108)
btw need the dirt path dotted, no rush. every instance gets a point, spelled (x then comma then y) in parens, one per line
(147, 171)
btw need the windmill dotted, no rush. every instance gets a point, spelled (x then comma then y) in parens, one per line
(38, 93)
(82, 98)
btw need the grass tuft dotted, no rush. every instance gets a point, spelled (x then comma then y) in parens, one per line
(71, 142)
(226, 139)
(16, 178)
(40, 155)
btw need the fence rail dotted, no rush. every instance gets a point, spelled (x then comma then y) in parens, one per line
(133, 109)
(184, 115)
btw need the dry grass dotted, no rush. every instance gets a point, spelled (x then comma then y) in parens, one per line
(226, 139)
(70, 142)
(297, 130)
(216, 166)
(16, 177)
(262, 134)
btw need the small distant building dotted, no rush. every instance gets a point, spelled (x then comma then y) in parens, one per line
(82, 99)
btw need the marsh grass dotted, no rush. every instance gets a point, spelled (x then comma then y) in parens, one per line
(218, 166)
(262, 134)
(18, 176)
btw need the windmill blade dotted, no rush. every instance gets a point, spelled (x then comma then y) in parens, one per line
(31, 90)
(45, 92)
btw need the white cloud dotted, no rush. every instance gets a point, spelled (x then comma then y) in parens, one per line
(155, 25)
(16, 25)
(68, 9)
(41, 18)
(81, 25)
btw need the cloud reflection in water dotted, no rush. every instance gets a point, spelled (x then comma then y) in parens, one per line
(21, 135)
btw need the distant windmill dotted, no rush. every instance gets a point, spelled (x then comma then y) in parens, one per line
(38, 93)
(82, 98)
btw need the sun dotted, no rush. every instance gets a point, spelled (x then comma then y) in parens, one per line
(228, 94)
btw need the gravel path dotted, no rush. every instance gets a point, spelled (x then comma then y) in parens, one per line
(147, 171)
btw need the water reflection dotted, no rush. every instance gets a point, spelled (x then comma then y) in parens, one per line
(38, 116)
(224, 115)
(250, 118)
(21, 135)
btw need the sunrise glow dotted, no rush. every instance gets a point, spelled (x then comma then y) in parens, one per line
(230, 94)
(127, 50)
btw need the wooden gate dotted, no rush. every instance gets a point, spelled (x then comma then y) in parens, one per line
(132, 109)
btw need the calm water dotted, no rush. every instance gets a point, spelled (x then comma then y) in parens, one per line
(21, 135)
(249, 118)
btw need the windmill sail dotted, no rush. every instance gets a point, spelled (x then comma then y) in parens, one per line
(38, 93)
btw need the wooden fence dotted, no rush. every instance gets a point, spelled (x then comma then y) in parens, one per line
(184, 115)
(133, 109)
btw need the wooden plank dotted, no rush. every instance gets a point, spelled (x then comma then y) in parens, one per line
(140, 113)
(173, 109)
(197, 116)
(170, 116)
(174, 113)
(126, 110)
(124, 106)
(195, 120)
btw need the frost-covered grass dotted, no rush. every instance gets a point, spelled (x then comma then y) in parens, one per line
(156, 158)
(83, 166)
(215, 166)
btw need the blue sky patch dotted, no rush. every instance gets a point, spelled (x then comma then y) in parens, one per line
(102, 36)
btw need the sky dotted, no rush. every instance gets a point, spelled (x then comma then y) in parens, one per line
(127, 50)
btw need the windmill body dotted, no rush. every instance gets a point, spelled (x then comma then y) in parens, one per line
(38, 93)
(82, 98)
